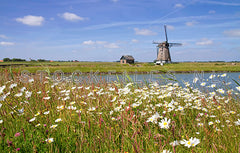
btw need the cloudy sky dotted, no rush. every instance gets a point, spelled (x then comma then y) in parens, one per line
(104, 30)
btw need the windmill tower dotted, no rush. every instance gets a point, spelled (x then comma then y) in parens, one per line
(163, 54)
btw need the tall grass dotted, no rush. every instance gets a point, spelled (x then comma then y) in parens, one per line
(46, 116)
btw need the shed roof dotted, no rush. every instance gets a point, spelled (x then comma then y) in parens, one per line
(127, 57)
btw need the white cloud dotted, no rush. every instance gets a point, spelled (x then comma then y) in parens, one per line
(232, 33)
(144, 32)
(111, 45)
(220, 3)
(104, 44)
(170, 27)
(6, 43)
(88, 42)
(114, 0)
(134, 40)
(204, 42)
(178, 5)
(31, 20)
(3, 36)
(212, 12)
(191, 23)
(71, 17)
(101, 42)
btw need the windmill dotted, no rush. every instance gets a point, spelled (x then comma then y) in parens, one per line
(163, 54)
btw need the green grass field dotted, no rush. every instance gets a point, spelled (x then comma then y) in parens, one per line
(69, 67)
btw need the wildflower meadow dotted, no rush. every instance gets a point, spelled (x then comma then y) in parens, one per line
(49, 116)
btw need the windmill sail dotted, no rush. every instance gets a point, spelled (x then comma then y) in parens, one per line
(165, 27)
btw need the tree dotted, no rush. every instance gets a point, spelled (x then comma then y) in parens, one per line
(7, 60)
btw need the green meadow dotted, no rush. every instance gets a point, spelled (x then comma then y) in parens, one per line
(48, 116)
(69, 67)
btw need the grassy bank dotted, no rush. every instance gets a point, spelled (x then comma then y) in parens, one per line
(69, 67)
(43, 116)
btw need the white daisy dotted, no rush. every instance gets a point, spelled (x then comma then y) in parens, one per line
(237, 122)
(213, 85)
(53, 126)
(47, 112)
(191, 142)
(224, 75)
(203, 84)
(165, 123)
(49, 140)
(31, 120)
(174, 143)
(58, 120)
(220, 91)
(238, 88)
(153, 118)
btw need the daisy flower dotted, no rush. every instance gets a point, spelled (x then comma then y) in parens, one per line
(224, 75)
(166, 151)
(187, 84)
(30, 80)
(45, 113)
(18, 94)
(212, 76)
(60, 107)
(174, 143)
(212, 93)
(49, 140)
(2, 88)
(31, 120)
(38, 113)
(37, 125)
(220, 91)
(72, 103)
(12, 86)
(213, 85)
(203, 84)
(238, 88)
(46, 98)
(210, 123)
(53, 126)
(58, 120)
(191, 142)
(180, 108)
(195, 80)
(153, 118)
(237, 122)
(165, 123)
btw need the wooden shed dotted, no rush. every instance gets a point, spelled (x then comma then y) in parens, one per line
(127, 59)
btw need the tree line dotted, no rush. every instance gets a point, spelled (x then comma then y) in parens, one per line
(13, 60)
(23, 60)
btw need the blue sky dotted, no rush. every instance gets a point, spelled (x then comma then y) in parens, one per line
(104, 30)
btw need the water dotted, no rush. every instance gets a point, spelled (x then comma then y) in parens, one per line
(219, 79)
